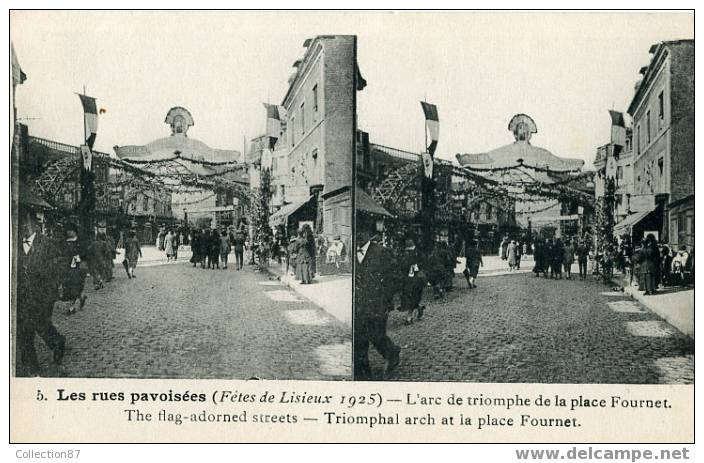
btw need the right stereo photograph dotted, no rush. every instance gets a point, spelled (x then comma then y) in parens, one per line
(524, 199)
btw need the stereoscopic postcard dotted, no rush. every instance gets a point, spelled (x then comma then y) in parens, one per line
(351, 226)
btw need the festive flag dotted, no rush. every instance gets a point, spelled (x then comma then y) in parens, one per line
(432, 125)
(87, 157)
(273, 124)
(90, 118)
(18, 76)
(618, 131)
(427, 164)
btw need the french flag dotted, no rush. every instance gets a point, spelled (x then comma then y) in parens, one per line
(90, 117)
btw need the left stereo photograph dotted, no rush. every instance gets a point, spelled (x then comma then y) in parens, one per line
(180, 210)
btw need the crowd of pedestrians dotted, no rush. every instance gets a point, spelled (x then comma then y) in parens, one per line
(651, 264)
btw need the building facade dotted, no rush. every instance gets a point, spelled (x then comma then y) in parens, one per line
(312, 159)
(662, 109)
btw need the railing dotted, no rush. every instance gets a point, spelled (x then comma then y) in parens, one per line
(62, 147)
(400, 154)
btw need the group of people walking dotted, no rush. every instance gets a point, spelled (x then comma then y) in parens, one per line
(386, 279)
(211, 248)
(552, 257)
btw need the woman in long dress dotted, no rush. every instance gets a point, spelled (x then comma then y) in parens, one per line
(512, 255)
(306, 254)
(568, 260)
(74, 275)
(169, 246)
(412, 284)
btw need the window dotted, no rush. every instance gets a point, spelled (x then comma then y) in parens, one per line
(145, 204)
(661, 165)
(647, 127)
(315, 98)
(488, 211)
(638, 139)
(619, 172)
(314, 154)
(303, 118)
(661, 107)
(293, 131)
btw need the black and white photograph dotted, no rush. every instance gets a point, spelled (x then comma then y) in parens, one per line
(350, 226)
(181, 196)
(525, 199)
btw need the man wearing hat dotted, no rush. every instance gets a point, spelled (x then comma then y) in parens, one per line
(37, 290)
(375, 282)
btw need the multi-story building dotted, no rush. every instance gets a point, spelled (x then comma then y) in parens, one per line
(662, 109)
(620, 169)
(312, 160)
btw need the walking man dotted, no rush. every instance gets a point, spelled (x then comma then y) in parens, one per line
(238, 244)
(37, 291)
(375, 281)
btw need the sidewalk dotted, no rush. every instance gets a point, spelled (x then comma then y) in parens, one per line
(675, 305)
(332, 293)
(151, 256)
(495, 266)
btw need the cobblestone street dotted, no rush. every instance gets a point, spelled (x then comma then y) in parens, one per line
(176, 321)
(518, 328)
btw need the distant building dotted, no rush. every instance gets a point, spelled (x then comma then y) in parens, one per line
(459, 213)
(563, 219)
(663, 140)
(620, 168)
(200, 206)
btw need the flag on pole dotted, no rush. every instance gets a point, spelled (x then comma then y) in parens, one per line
(432, 125)
(427, 164)
(90, 118)
(87, 157)
(273, 124)
(618, 131)
(18, 76)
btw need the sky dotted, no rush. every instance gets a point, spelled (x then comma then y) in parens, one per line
(563, 69)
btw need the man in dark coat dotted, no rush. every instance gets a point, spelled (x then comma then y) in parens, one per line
(375, 280)
(238, 245)
(37, 291)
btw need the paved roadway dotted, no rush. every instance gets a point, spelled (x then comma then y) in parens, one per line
(518, 328)
(175, 321)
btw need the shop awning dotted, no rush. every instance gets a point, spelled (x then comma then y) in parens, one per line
(627, 224)
(281, 216)
(365, 203)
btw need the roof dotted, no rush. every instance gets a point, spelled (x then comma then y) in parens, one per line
(365, 203)
(657, 50)
(509, 155)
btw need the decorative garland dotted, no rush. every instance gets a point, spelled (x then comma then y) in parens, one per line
(177, 156)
